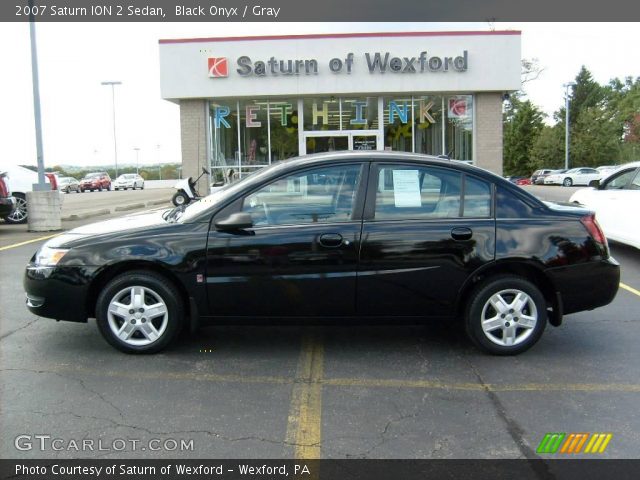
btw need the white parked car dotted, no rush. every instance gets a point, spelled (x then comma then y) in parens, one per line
(128, 180)
(616, 201)
(20, 180)
(575, 176)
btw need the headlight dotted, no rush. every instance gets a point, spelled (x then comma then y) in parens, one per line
(49, 257)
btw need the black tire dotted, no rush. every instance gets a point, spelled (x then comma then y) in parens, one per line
(19, 214)
(567, 182)
(156, 286)
(180, 198)
(475, 311)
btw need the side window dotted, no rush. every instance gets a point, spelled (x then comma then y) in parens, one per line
(620, 180)
(323, 195)
(508, 205)
(477, 198)
(414, 192)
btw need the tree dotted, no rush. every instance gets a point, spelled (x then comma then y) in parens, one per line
(548, 149)
(586, 93)
(525, 122)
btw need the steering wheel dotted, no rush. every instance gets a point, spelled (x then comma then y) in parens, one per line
(267, 213)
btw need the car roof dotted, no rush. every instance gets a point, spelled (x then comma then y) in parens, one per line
(377, 156)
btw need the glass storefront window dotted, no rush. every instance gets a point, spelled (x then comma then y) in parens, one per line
(428, 124)
(254, 132)
(321, 114)
(248, 134)
(224, 139)
(398, 135)
(459, 127)
(283, 114)
(359, 113)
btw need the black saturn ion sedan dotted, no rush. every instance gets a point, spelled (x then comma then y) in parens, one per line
(338, 237)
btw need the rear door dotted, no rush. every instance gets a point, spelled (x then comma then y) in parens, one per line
(425, 230)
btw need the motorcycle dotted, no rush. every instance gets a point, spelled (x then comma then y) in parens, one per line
(187, 191)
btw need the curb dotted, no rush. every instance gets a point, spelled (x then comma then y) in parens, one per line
(121, 208)
(132, 206)
(82, 216)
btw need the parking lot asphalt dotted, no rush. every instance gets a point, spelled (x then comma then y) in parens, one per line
(310, 392)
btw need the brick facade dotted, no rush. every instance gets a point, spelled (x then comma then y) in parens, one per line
(193, 136)
(488, 142)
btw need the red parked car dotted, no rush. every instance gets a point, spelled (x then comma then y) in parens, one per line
(523, 181)
(95, 181)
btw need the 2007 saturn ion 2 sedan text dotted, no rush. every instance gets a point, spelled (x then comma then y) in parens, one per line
(367, 235)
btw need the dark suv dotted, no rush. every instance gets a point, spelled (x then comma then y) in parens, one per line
(339, 236)
(95, 181)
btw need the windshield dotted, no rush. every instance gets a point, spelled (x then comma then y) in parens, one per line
(195, 209)
(92, 175)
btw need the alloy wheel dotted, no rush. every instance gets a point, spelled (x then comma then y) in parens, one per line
(19, 215)
(138, 316)
(509, 317)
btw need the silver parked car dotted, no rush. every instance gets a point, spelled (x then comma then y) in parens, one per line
(68, 185)
(128, 180)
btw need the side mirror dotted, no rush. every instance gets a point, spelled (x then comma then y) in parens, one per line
(594, 183)
(235, 221)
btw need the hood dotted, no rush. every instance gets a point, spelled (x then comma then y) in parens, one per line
(127, 224)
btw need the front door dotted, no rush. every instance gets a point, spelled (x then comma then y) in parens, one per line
(300, 257)
(425, 230)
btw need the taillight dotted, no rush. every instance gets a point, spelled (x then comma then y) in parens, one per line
(592, 226)
(4, 191)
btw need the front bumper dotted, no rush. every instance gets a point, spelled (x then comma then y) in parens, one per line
(588, 285)
(58, 292)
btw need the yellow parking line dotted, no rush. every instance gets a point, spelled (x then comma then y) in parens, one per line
(304, 426)
(7, 247)
(630, 289)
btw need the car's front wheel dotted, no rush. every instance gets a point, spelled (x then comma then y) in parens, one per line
(139, 312)
(506, 315)
(567, 182)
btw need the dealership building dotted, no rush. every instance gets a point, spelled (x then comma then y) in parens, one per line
(247, 102)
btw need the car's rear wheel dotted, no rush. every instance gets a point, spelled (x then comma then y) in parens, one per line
(506, 315)
(139, 312)
(19, 215)
(567, 182)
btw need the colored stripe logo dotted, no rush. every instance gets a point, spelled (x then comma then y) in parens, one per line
(573, 443)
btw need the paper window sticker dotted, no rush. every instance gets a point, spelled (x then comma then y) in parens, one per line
(406, 188)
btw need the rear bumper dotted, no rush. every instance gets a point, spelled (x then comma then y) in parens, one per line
(58, 292)
(586, 286)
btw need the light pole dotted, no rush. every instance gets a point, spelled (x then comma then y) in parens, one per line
(566, 128)
(113, 108)
(137, 149)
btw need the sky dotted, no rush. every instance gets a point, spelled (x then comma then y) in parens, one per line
(74, 58)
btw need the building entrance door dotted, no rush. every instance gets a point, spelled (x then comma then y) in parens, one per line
(319, 142)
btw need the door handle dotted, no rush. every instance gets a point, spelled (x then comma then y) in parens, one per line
(461, 233)
(331, 240)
